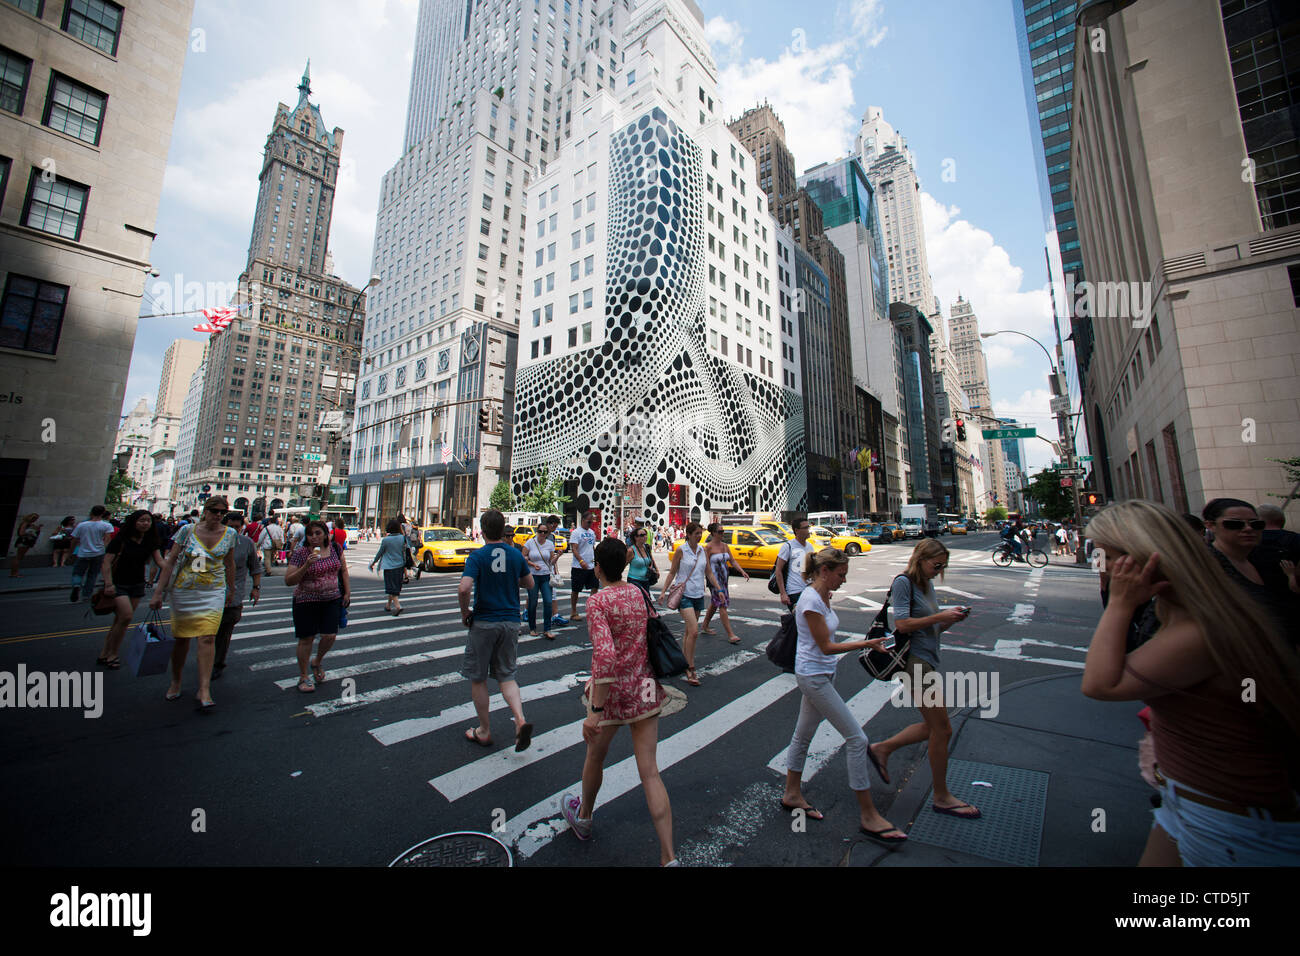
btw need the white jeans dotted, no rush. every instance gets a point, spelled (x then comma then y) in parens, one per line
(821, 700)
(1210, 837)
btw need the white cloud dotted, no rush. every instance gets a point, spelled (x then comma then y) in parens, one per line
(725, 38)
(865, 17)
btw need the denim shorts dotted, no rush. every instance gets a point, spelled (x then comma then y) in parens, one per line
(696, 602)
(1210, 837)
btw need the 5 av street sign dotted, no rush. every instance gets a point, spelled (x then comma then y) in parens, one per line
(1010, 432)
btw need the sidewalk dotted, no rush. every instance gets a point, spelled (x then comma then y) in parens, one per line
(43, 578)
(1065, 786)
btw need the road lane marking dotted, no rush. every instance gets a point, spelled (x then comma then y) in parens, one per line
(826, 742)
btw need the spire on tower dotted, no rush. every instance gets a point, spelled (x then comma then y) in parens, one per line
(304, 88)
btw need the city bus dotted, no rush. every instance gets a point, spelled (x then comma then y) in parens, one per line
(349, 516)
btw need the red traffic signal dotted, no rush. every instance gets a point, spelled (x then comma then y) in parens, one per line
(1092, 499)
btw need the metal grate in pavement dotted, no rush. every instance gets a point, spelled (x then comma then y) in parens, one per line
(1010, 829)
(457, 849)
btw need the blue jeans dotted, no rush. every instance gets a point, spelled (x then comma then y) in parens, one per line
(1210, 837)
(542, 584)
(85, 573)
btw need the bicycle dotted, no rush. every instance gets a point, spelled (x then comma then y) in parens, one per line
(1004, 554)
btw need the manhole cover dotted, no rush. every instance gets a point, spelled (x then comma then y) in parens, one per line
(1010, 829)
(457, 849)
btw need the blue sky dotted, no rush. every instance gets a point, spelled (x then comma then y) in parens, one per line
(945, 73)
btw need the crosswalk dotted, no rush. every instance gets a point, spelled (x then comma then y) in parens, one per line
(399, 679)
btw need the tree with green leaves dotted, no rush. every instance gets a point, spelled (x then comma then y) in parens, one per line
(996, 513)
(502, 498)
(547, 495)
(1292, 468)
(1057, 503)
(119, 487)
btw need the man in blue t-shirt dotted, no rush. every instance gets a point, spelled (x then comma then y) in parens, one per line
(495, 573)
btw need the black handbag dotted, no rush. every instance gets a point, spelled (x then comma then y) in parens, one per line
(882, 665)
(772, 584)
(410, 559)
(781, 648)
(666, 657)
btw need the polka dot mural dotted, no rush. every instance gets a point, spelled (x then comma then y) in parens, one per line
(651, 400)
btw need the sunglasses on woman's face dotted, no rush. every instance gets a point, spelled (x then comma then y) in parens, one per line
(219, 513)
(1236, 524)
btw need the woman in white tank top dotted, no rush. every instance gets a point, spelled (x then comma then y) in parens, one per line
(691, 564)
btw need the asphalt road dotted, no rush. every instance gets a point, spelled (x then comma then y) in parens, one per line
(356, 773)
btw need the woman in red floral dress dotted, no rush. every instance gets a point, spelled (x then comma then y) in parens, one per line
(622, 690)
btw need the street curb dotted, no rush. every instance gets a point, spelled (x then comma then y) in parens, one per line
(47, 587)
(910, 800)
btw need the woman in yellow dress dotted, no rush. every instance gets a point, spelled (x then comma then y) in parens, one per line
(200, 590)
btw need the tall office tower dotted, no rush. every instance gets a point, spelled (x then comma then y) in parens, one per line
(649, 369)
(1045, 35)
(491, 102)
(1188, 194)
(278, 383)
(185, 498)
(180, 362)
(1014, 480)
(921, 410)
(88, 96)
(968, 354)
(832, 468)
(892, 171)
(133, 436)
(957, 457)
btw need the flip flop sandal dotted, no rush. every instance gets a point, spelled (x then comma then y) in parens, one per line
(692, 678)
(549, 636)
(472, 736)
(306, 685)
(733, 640)
(956, 811)
(175, 696)
(878, 836)
(113, 665)
(875, 762)
(523, 738)
(318, 672)
(812, 813)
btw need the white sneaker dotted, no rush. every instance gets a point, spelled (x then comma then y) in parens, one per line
(569, 806)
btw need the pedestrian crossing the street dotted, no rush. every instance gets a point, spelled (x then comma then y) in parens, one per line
(399, 679)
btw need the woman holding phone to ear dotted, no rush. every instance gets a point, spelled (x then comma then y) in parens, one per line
(917, 614)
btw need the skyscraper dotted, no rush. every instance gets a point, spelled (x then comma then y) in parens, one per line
(180, 362)
(1185, 178)
(968, 354)
(890, 167)
(1045, 36)
(133, 436)
(649, 370)
(88, 97)
(921, 413)
(278, 383)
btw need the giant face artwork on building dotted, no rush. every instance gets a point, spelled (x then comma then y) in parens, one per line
(651, 401)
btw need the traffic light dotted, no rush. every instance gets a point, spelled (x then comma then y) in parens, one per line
(1092, 499)
(961, 430)
(484, 419)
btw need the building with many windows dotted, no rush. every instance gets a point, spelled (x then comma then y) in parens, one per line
(181, 360)
(187, 497)
(1187, 189)
(920, 408)
(88, 92)
(650, 374)
(133, 437)
(278, 382)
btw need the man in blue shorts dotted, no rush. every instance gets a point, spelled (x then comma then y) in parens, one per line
(495, 573)
(582, 573)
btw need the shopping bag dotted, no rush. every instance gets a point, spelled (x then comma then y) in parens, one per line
(149, 648)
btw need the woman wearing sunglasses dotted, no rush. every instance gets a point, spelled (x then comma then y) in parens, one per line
(201, 588)
(1270, 585)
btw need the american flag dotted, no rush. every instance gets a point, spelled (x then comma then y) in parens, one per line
(209, 327)
(222, 316)
(446, 453)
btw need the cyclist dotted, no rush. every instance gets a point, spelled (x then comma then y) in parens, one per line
(1011, 535)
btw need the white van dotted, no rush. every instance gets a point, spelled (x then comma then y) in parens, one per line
(828, 517)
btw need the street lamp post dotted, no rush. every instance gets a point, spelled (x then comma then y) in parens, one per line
(1063, 419)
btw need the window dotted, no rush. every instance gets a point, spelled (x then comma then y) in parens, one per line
(4, 177)
(573, 338)
(27, 6)
(573, 266)
(14, 72)
(31, 315)
(573, 304)
(591, 232)
(586, 332)
(97, 22)
(586, 298)
(56, 207)
(546, 345)
(588, 265)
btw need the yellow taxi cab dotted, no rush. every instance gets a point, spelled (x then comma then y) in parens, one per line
(850, 544)
(754, 548)
(957, 527)
(444, 548)
(521, 534)
(895, 529)
(780, 527)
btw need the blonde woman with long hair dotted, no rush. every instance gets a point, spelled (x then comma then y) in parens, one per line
(917, 614)
(1223, 688)
(815, 660)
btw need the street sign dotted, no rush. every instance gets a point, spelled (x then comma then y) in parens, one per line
(1084, 458)
(311, 456)
(1010, 432)
(1067, 482)
(1060, 405)
(331, 421)
(1074, 472)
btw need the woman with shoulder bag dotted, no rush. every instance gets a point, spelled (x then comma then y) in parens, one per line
(201, 587)
(391, 558)
(61, 542)
(29, 532)
(540, 554)
(619, 693)
(816, 658)
(126, 565)
(720, 561)
(643, 571)
(688, 596)
(917, 614)
(319, 576)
